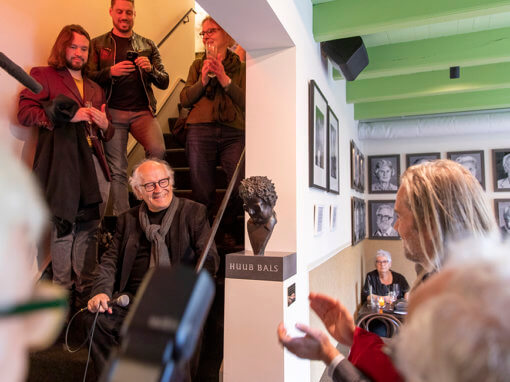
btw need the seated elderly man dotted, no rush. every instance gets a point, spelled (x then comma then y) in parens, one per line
(163, 231)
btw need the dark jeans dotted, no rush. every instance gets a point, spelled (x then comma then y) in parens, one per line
(206, 145)
(146, 130)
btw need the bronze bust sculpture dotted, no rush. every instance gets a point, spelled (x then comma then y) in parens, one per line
(259, 198)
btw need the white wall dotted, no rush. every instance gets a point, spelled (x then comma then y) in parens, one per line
(29, 29)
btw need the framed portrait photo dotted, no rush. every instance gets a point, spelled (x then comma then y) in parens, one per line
(502, 209)
(358, 214)
(501, 169)
(381, 220)
(383, 174)
(357, 169)
(333, 153)
(472, 161)
(318, 172)
(412, 159)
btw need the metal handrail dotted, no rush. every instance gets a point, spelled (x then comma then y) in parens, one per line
(184, 19)
(219, 215)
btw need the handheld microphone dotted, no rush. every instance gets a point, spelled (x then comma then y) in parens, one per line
(122, 300)
(18, 73)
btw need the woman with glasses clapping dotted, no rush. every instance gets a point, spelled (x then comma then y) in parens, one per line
(382, 280)
(215, 92)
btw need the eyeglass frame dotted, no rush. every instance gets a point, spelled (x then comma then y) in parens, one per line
(33, 306)
(208, 32)
(382, 262)
(384, 217)
(154, 184)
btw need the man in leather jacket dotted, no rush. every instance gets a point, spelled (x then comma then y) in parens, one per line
(126, 65)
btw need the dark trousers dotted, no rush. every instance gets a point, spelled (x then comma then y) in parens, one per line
(206, 145)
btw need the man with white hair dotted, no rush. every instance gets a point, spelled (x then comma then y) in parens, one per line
(23, 325)
(457, 328)
(504, 183)
(163, 231)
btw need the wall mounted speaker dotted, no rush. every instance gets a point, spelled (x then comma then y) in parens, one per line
(349, 54)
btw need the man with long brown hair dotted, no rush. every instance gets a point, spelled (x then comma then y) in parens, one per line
(69, 114)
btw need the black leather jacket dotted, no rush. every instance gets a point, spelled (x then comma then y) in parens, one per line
(102, 57)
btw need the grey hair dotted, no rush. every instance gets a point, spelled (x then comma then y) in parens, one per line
(386, 207)
(23, 207)
(383, 253)
(447, 203)
(384, 162)
(135, 181)
(465, 159)
(462, 333)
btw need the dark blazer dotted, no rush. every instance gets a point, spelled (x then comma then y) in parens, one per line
(186, 239)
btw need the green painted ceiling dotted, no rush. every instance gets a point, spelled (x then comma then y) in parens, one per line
(411, 46)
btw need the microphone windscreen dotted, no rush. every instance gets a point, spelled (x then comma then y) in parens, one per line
(123, 300)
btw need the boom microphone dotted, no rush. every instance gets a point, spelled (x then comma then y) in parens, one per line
(122, 300)
(18, 73)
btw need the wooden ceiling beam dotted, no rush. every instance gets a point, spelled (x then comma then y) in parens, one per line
(343, 18)
(473, 78)
(446, 103)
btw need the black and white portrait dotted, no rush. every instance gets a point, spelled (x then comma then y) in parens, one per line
(384, 172)
(318, 176)
(501, 163)
(333, 153)
(382, 218)
(412, 159)
(357, 169)
(473, 161)
(358, 220)
(502, 207)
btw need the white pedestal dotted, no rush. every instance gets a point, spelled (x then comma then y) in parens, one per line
(256, 294)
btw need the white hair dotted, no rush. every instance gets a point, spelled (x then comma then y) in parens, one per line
(383, 253)
(135, 181)
(463, 332)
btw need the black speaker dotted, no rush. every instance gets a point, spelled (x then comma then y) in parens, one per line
(349, 54)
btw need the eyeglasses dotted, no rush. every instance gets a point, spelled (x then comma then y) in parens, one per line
(151, 186)
(32, 306)
(384, 217)
(382, 262)
(209, 32)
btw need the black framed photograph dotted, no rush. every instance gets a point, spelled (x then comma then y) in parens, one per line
(358, 220)
(501, 169)
(333, 153)
(318, 171)
(473, 161)
(357, 169)
(412, 159)
(383, 174)
(502, 209)
(381, 220)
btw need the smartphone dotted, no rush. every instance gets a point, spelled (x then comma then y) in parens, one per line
(131, 55)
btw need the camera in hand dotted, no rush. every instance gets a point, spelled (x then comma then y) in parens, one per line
(131, 55)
